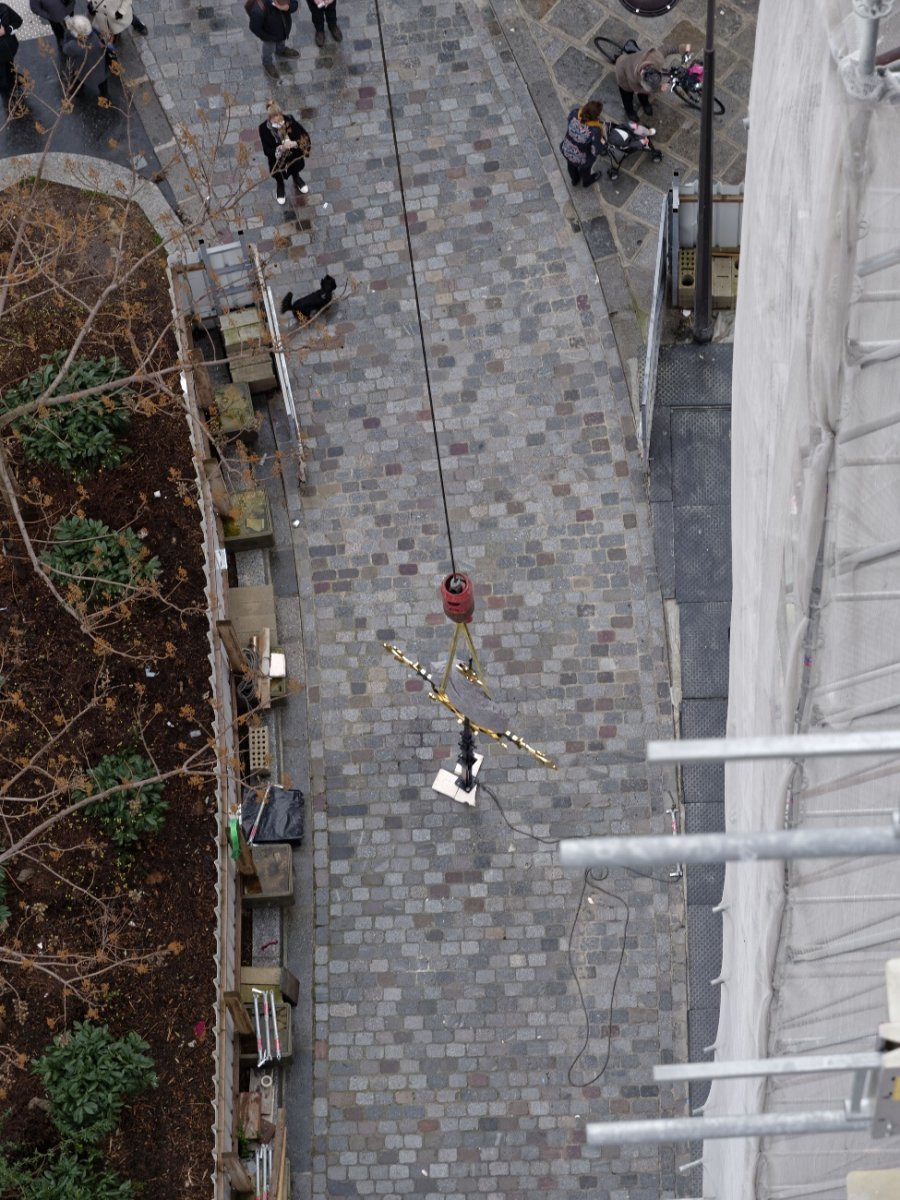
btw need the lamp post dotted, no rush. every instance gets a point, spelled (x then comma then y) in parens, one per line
(703, 318)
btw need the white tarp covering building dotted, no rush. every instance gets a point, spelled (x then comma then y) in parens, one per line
(815, 634)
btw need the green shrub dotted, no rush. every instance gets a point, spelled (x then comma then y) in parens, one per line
(80, 436)
(133, 810)
(63, 1172)
(88, 1076)
(5, 911)
(97, 561)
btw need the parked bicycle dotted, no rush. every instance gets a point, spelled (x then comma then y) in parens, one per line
(686, 77)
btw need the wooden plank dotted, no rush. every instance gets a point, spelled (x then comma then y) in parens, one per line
(232, 645)
(264, 681)
(245, 864)
(290, 987)
(251, 609)
(218, 490)
(261, 977)
(237, 1174)
(239, 1014)
(202, 386)
(249, 1114)
(278, 1153)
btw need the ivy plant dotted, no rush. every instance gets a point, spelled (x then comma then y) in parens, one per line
(134, 809)
(61, 1172)
(79, 436)
(96, 564)
(89, 1076)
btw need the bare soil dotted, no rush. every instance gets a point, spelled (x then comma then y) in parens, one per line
(136, 927)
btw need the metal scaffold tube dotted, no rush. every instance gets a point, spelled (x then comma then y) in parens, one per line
(697, 1129)
(811, 745)
(864, 842)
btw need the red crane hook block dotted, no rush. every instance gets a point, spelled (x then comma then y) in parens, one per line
(458, 598)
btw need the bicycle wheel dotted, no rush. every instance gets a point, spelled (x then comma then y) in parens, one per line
(694, 99)
(608, 48)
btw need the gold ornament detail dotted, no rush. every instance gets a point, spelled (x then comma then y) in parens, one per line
(471, 676)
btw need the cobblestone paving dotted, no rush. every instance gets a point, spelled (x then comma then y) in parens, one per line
(553, 43)
(447, 1016)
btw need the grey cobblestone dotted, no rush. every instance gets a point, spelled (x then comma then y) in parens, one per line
(445, 1015)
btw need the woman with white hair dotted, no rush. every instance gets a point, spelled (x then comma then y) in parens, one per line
(86, 54)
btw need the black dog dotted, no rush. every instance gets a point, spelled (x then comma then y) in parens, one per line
(305, 308)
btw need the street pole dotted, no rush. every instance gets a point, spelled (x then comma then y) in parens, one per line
(703, 318)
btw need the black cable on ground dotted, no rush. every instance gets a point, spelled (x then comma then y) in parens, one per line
(412, 267)
(592, 881)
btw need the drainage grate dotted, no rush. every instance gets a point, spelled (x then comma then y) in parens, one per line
(258, 748)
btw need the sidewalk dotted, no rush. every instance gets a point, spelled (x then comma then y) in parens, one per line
(446, 1016)
(553, 45)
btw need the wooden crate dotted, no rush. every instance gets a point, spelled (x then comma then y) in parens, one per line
(234, 411)
(250, 610)
(248, 523)
(274, 865)
(255, 369)
(242, 330)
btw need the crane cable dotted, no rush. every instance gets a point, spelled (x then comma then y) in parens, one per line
(412, 267)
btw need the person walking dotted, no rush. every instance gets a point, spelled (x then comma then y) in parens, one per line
(270, 21)
(585, 139)
(54, 12)
(642, 73)
(87, 54)
(285, 144)
(110, 17)
(9, 44)
(322, 11)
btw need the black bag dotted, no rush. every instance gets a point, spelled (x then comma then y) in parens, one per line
(280, 819)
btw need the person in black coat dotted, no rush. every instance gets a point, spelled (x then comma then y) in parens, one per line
(322, 11)
(87, 56)
(585, 139)
(270, 21)
(284, 142)
(9, 44)
(54, 12)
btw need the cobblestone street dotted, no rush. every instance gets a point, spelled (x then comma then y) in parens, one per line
(446, 1013)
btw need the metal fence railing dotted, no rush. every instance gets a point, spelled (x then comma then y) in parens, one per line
(654, 329)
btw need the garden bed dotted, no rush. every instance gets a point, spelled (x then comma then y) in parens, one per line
(137, 924)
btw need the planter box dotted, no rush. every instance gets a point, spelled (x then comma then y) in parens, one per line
(234, 411)
(274, 865)
(248, 523)
(242, 330)
(254, 369)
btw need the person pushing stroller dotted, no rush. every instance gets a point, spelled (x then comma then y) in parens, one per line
(585, 139)
(643, 72)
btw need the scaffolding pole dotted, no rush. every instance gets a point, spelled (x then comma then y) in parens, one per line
(864, 842)
(697, 1129)
(811, 745)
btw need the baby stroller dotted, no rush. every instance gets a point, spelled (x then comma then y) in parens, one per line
(625, 139)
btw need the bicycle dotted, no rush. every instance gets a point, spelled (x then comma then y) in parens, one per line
(686, 77)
